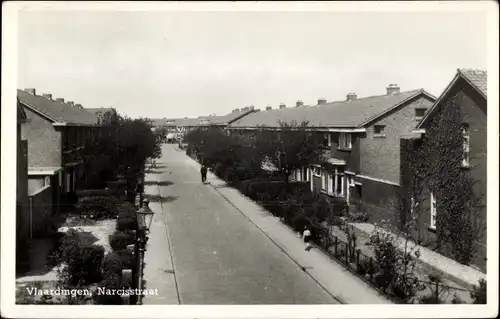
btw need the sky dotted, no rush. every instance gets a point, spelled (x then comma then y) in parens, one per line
(174, 64)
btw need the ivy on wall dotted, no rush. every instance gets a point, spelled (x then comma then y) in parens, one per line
(436, 163)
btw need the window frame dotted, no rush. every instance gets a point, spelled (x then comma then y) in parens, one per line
(465, 146)
(343, 139)
(379, 134)
(419, 117)
(433, 212)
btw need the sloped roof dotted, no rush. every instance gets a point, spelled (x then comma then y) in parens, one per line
(21, 115)
(56, 111)
(477, 78)
(229, 118)
(342, 114)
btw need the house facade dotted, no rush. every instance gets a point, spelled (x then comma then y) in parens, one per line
(361, 144)
(22, 209)
(56, 136)
(467, 95)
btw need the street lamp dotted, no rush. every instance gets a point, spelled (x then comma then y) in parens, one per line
(144, 219)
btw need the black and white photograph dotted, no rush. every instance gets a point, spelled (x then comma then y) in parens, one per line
(284, 158)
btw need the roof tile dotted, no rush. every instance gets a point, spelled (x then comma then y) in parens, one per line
(57, 111)
(345, 114)
(477, 78)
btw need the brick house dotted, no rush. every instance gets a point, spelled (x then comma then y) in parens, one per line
(56, 136)
(468, 91)
(361, 142)
(22, 220)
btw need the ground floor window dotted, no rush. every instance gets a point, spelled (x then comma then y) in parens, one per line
(324, 178)
(433, 212)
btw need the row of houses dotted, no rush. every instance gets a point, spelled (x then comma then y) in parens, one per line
(51, 136)
(363, 158)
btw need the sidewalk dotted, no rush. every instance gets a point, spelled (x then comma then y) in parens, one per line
(333, 277)
(158, 267)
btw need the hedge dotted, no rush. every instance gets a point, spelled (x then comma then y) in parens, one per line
(116, 261)
(98, 207)
(127, 217)
(83, 260)
(119, 240)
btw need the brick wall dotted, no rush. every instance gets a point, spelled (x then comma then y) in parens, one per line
(379, 156)
(40, 208)
(350, 156)
(44, 142)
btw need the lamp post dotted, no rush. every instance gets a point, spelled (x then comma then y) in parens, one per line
(144, 219)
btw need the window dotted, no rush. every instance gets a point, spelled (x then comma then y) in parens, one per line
(345, 141)
(419, 113)
(316, 171)
(304, 174)
(379, 131)
(326, 139)
(46, 181)
(339, 184)
(324, 177)
(466, 146)
(433, 212)
(330, 183)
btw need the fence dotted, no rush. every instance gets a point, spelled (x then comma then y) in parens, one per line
(366, 268)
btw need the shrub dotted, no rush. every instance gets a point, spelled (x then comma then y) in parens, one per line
(127, 217)
(219, 169)
(120, 239)
(98, 207)
(83, 261)
(358, 217)
(116, 261)
(478, 294)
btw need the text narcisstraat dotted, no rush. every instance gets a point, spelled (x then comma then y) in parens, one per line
(91, 292)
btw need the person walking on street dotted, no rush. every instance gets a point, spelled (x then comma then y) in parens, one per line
(203, 173)
(306, 237)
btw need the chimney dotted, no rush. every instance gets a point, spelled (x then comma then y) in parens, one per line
(392, 89)
(79, 106)
(252, 107)
(30, 91)
(70, 103)
(237, 110)
(282, 105)
(299, 103)
(351, 96)
(268, 108)
(321, 100)
(60, 99)
(47, 95)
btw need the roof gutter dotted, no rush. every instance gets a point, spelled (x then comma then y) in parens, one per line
(75, 124)
(309, 129)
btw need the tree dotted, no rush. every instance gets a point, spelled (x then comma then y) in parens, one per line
(122, 143)
(291, 147)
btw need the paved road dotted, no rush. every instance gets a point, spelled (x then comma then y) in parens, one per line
(218, 256)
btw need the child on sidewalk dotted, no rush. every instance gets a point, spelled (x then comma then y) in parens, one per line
(306, 237)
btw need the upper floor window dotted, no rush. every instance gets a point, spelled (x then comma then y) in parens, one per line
(345, 141)
(379, 131)
(327, 139)
(466, 145)
(419, 113)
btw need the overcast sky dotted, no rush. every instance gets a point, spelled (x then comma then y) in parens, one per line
(176, 64)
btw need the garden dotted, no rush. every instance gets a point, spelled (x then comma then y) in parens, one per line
(92, 248)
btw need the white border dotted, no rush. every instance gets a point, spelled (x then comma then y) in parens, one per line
(9, 65)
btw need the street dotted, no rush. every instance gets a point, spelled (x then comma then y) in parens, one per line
(203, 251)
